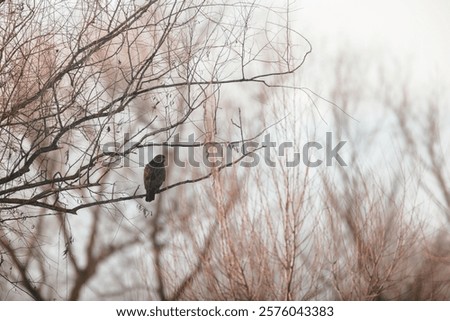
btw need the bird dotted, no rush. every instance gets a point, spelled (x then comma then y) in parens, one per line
(154, 176)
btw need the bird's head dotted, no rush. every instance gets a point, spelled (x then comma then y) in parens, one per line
(158, 161)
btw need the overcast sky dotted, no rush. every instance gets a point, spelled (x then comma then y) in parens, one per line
(412, 31)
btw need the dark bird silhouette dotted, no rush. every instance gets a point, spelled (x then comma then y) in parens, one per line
(154, 176)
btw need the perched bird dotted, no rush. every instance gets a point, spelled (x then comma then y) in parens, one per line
(154, 176)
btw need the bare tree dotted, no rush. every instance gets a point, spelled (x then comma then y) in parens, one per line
(87, 86)
(90, 91)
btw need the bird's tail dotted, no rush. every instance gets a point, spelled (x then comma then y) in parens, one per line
(150, 196)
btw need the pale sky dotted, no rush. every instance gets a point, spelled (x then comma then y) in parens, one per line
(415, 31)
